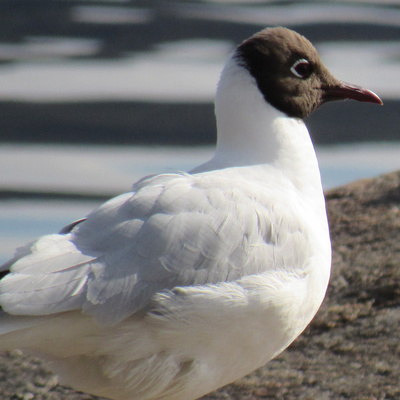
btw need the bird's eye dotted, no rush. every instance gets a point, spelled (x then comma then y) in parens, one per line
(301, 68)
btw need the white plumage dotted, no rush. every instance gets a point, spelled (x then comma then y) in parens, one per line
(191, 280)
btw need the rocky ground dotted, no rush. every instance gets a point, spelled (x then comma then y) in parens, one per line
(350, 351)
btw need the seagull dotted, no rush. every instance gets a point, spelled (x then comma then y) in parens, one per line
(192, 280)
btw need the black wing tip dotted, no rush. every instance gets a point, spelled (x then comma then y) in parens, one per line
(4, 273)
(68, 229)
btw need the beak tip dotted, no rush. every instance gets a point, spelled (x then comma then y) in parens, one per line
(349, 91)
(372, 97)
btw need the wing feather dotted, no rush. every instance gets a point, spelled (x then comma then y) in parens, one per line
(171, 230)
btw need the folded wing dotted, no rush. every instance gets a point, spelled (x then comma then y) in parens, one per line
(171, 230)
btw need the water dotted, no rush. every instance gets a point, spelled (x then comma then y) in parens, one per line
(116, 73)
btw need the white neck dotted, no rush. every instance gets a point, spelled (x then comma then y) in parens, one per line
(252, 132)
(243, 119)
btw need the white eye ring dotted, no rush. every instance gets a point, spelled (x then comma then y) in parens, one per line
(297, 64)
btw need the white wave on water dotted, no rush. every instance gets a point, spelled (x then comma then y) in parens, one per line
(161, 75)
(299, 12)
(179, 71)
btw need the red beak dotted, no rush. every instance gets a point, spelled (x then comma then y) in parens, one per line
(348, 91)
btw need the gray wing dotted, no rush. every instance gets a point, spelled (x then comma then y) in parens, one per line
(172, 230)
